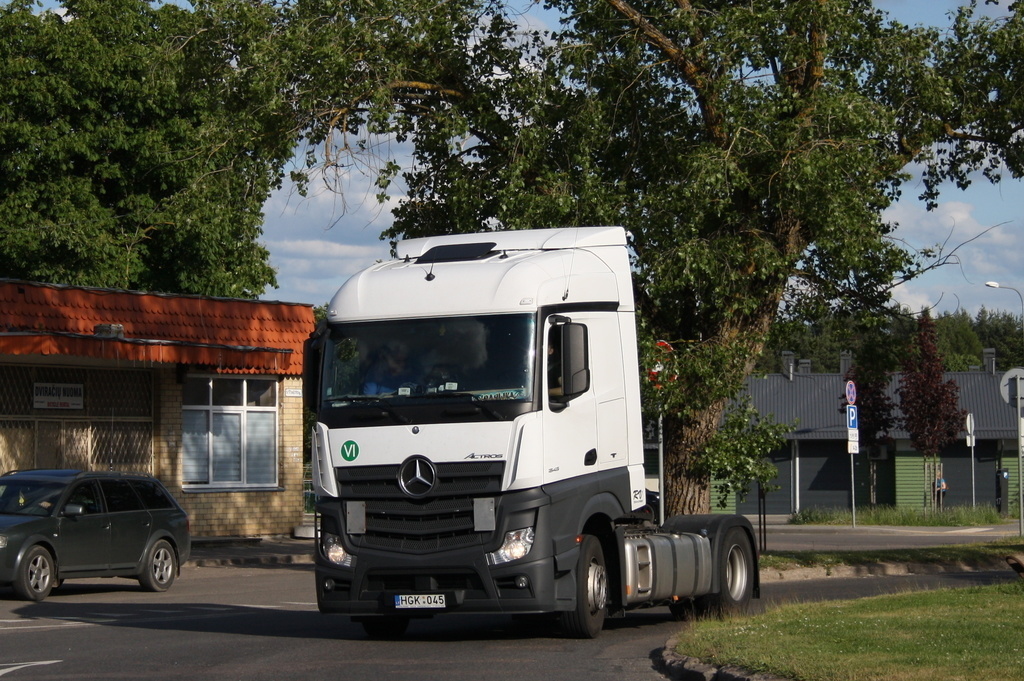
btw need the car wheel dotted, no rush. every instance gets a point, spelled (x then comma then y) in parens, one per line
(36, 574)
(159, 568)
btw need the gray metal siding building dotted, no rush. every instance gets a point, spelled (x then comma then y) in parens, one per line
(815, 466)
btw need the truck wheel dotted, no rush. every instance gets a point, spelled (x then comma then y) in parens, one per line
(388, 626)
(735, 577)
(35, 575)
(587, 620)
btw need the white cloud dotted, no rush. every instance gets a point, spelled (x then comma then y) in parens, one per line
(319, 241)
(983, 238)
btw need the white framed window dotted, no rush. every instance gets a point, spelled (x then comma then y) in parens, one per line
(229, 432)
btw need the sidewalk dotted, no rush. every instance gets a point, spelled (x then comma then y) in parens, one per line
(240, 551)
(282, 550)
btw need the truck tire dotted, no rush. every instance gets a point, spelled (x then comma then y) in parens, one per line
(735, 568)
(587, 619)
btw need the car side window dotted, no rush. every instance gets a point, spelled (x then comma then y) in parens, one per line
(87, 495)
(120, 496)
(154, 496)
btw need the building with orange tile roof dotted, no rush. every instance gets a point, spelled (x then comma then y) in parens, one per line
(205, 393)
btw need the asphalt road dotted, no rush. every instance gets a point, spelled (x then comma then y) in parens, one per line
(260, 622)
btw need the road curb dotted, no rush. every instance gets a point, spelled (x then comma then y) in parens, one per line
(250, 561)
(682, 668)
(877, 570)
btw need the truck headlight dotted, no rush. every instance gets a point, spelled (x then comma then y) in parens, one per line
(517, 545)
(334, 551)
(3, 541)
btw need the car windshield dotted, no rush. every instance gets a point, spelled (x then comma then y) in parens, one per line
(29, 497)
(483, 358)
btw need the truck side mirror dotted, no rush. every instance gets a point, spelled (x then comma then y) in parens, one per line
(312, 349)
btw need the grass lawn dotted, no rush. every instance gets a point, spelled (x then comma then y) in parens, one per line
(973, 633)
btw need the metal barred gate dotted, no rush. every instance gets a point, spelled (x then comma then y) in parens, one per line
(68, 417)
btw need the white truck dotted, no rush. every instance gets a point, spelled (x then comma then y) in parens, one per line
(478, 445)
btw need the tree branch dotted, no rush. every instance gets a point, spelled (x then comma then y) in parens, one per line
(695, 73)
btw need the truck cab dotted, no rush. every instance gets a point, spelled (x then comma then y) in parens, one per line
(478, 445)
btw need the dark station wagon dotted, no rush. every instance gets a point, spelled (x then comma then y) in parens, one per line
(67, 524)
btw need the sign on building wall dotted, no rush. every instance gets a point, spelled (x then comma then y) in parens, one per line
(58, 395)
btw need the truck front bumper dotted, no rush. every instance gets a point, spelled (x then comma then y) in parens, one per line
(467, 582)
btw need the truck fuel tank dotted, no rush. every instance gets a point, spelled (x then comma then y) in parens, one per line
(658, 566)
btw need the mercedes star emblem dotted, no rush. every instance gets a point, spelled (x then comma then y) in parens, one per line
(417, 476)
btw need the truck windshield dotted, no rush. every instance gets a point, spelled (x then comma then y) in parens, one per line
(480, 358)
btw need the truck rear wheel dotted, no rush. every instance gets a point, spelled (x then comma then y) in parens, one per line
(587, 619)
(735, 569)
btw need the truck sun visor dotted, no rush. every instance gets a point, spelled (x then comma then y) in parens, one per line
(457, 252)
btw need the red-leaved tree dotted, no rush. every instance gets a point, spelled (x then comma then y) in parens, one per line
(930, 405)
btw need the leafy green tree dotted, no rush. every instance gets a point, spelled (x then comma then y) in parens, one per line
(138, 144)
(1002, 332)
(958, 343)
(749, 147)
(822, 341)
(930, 405)
(738, 453)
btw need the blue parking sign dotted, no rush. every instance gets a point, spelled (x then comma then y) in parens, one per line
(851, 416)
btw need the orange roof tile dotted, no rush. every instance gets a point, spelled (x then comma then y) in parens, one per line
(218, 334)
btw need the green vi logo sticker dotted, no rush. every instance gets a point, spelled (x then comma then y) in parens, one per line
(350, 450)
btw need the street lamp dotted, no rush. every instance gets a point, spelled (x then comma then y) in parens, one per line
(1020, 435)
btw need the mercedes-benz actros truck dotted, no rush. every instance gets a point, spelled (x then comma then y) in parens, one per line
(478, 445)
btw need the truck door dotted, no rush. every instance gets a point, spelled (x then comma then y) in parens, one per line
(570, 419)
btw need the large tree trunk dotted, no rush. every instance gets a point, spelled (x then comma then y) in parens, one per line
(687, 480)
(687, 484)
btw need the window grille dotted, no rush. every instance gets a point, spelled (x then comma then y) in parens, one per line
(109, 426)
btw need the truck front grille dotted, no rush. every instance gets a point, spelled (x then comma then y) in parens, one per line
(442, 520)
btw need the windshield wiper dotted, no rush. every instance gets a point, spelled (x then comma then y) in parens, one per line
(372, 401)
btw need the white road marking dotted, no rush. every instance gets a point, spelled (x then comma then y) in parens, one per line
(22, 665)
(971, 530)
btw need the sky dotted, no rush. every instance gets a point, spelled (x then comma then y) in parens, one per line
(318, 241)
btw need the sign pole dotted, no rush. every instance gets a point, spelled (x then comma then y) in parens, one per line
(1020, 469)
(852, 444)
(970, 443)
(853, 494)
(1011, 379)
